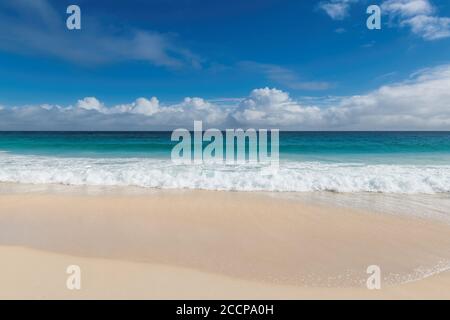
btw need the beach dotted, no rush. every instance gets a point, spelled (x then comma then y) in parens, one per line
(156, 244)
(233, 150)
(345, 215)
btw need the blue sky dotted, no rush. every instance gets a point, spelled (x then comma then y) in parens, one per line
(316, 52)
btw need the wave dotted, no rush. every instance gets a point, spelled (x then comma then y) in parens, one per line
(291, 176)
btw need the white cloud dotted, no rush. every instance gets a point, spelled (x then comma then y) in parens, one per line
(140, 106)
(147, 107)
(430, 28)
(422, 102)
(336, 9)
(420, 16)
(407, 8)
(195, 109)
(419, 103)
(284, 76)
(34, 26)
(90, 103)
(272, 107)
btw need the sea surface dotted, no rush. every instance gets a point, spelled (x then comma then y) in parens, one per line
(340, 162)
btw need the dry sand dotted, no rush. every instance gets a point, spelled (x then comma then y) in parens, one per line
(213, 245)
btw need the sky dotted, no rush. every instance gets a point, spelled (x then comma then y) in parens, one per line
(287, 64)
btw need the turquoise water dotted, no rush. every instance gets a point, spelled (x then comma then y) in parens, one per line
(386, 162)
(372, 147)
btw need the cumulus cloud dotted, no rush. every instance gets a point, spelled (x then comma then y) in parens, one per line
(422, 102)
(90, 103)
(336, 9)
(274, 108)
(140, 106)
(420, 15)
(34, 26)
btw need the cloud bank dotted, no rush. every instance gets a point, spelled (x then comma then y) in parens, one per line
(422, 102)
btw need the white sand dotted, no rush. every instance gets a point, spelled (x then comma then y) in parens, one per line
(213, 245)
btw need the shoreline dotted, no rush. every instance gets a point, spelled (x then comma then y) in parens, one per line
(269, 242)
(434, 207)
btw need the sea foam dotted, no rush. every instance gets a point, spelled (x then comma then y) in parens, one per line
(291, 176)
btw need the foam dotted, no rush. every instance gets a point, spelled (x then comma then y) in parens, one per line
(291, 177)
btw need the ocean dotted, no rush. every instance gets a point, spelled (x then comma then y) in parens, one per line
(341, 162)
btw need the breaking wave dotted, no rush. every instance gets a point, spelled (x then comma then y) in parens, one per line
(291, 176)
